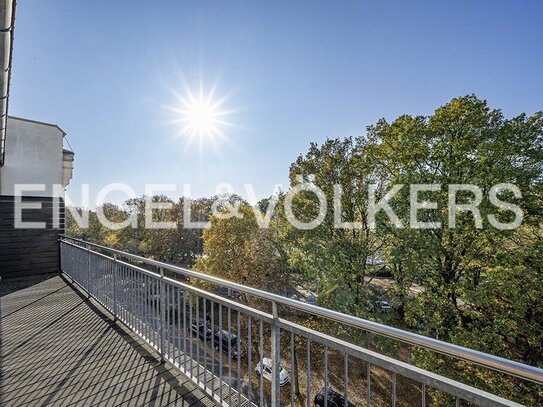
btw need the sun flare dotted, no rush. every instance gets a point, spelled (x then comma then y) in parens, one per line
(201, 117)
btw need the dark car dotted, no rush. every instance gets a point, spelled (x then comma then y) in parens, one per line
(334, 399)
(227, 341)
(202, 330)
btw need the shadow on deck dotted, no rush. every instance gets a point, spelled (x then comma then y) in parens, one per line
(59, 348)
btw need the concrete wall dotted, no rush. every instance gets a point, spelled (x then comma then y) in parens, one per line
(34, 155)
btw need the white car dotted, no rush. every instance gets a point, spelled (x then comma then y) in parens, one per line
(384, 305)
(264, 368)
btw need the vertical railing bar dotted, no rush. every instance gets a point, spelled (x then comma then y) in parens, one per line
(148, 310)
(423, 395)
(132, 305)
(104, 281)
(133, 294)
(127, 289)
(178, 326)
(393, 389)
(220, 339)
(162, 309)
(239, 358)
(127, 297)
(292, 351)
(457, 401)
(212, 348)
(249, 358)
(115, 265)
(191, 357)
(138, 302)
(143, 297)
(185, 331)
(308, 372)
(205, 342)
(135, 309)
(275, 356)
(100, 278)
(152, 312)
(229, 314)
(144, 306)
(88, 272)
(261, 351)
(369, 382)
(198, 338)
(173, 329)
(346, 380)
(108, 286)
(168, 319)
(325, 375)
(132, 299)
(120, 292)
(111, 284)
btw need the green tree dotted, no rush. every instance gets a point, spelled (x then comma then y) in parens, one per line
(237, 249)
(337, 261)
(472, 278)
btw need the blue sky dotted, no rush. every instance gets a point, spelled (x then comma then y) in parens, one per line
(292, 72)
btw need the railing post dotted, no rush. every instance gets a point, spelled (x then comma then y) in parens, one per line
(162, 308)
(88, 271)
(275, 357)
(115, 265)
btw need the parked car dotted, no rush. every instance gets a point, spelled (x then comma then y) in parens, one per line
(264, 368)
(311, 299)
(384, 305)
(202, 330)
(334, 399)
(228, 341)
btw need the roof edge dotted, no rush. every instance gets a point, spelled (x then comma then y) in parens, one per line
(38, 122)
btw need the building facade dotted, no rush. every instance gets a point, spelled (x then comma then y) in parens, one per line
(32, 180)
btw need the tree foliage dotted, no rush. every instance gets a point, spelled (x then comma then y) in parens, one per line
(477, 286)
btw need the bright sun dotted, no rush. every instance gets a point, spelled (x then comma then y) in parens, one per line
(201, 118)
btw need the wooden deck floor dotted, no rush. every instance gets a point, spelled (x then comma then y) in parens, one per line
(58, 348)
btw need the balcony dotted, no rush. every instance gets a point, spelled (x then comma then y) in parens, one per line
(119, 329)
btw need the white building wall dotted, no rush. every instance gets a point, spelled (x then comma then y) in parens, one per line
(34, 155)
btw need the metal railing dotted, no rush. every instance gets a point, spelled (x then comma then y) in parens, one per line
(234, 351)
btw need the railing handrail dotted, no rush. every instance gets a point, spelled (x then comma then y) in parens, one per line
(497, 363)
